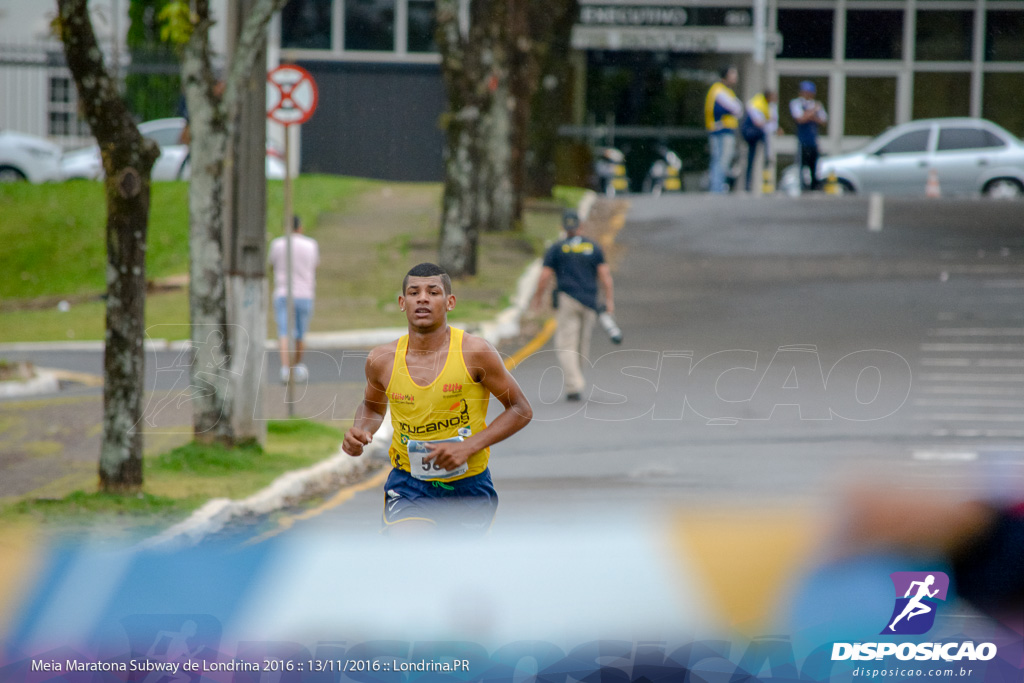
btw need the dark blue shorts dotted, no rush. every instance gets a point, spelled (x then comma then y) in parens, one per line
(466, 505)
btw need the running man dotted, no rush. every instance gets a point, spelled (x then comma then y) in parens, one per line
(437, 381)
(915, 606)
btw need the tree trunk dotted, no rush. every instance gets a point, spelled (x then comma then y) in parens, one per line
(213, 119)
(495, 191)
(210, 371)
(551, 23)
(127, 161)
(461, 46)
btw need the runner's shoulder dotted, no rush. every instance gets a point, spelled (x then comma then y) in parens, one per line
(381, 358)
(479, 350)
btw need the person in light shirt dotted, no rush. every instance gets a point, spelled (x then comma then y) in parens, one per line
(305, 259)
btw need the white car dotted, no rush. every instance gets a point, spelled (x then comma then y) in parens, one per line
(28, 157)
(172, 164)
(969, 156)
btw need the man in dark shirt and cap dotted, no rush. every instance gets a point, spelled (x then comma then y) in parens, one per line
(577, 264)
(808, 114)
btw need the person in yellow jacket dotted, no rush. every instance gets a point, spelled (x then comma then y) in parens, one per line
(760, 122)
(437, 381)
(722, 110)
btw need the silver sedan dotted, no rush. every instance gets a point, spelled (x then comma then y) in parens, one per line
(969, 156)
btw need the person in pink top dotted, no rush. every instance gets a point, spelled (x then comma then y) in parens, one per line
(305, 259)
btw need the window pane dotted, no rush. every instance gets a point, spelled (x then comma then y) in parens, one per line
(874, 35)
(789, 89)
(306, 24)
(60, 90)
(806, 34)
(870, 104)
(645, 88)
(369, 24)
(1004, 36)
(60, 123)
(913, 142)
(1000, 101)
(966, 138)
(944, 36)
(421, 26)
(941, 94)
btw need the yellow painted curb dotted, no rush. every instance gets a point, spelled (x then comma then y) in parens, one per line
(534, 345)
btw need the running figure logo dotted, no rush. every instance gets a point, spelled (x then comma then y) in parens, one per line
(920, 593)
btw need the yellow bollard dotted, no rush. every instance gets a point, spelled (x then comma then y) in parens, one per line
(832, 184)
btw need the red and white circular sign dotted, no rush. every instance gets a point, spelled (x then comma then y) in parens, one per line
(291, 94)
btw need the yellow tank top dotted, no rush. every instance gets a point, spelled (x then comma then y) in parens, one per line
(453, 401)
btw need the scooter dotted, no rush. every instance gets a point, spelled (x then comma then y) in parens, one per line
(664, 173)
(610, 171)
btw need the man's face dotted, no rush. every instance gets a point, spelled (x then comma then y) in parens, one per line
(425, 304)
(732, 77)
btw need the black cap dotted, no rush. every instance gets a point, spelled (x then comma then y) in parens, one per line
(570, 221)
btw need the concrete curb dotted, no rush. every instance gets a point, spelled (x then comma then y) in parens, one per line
(290, 487)
(43, 383)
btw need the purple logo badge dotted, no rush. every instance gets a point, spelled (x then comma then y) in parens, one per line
(917, 595)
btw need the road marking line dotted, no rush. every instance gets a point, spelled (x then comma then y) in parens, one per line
(977, 332)
(977, 391)
(1016, 348)
(344, 495)
(945, 456)
(967, 403)
(968, 377)
(966, 417)
(985, 433)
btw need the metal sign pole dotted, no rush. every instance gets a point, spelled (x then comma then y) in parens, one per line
(290, 314)
(292, 98)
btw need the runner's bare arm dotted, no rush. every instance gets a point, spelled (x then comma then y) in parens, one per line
(370, 413)
(489, 370)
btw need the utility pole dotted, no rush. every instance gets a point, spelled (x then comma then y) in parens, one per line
(246, 248)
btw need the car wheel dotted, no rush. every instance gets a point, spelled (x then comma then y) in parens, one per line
(845, 187)
(1003, 188)
(9, 174)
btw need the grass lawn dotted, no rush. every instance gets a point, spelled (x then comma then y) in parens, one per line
(181, 480)
(370, 233)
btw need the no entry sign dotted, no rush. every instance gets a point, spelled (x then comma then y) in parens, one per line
(291, 94)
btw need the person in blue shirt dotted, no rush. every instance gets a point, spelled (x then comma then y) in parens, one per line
(577, 264)
(808, 114)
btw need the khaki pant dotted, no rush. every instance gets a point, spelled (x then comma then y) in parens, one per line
(572, 340)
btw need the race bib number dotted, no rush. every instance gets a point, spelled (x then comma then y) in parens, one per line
(430, 470)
